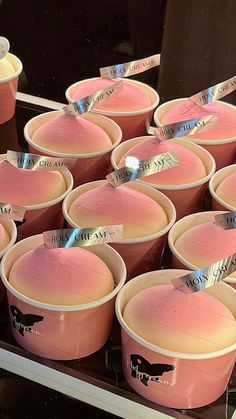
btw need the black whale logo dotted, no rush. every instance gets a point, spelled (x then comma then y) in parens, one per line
(144, 371)
(24, 322)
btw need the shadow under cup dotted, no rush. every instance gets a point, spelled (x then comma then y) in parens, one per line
(61, 332)
(139, 254)
(190, 380)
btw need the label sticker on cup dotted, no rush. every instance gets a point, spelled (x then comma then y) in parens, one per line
(181, 128)
(11, 212)
(206, 277)
(131, 68)
(214, 92)
(81, 237)
(36, 162)
(136, 168)
(87, 103)
(4, 47)
(227, 220)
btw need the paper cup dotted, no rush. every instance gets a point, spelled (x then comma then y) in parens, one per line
(61, 332)
(90, 166)
(10, 227)
(132, 123)
(217, 202)
(140, 254)
(178, 260)
(8, 89)
(46, 216)
(187, 198)
(197, 379)
(223, 151)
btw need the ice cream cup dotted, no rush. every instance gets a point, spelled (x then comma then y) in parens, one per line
(10, 227)
(194, 380)
(90, 166)
(223, 151)
(140, 254)
(45, 216)
(8, 89)
(178, 260)
(187, 198)
(217, 202)
(132, 123)
(62, 332)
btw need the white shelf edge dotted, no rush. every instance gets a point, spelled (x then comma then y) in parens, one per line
(35, 100)
(76, 388)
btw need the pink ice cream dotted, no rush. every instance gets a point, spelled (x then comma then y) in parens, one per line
(225, 126)
(4, 237)
(130, 98)
(188, 323)
(190, 167)
(29, 187)
(63, 276)
(72, 135)
(227, 190)
(105, 205)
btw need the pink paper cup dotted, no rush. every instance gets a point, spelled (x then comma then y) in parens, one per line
(62, 332)
(46, 216)
(197, 379)
(140, 254)
(10, 227)
(132, 123)
(178, 260)
(223, 151)
(217, 202)
(187, 198)
(90, 166)
(8, 89)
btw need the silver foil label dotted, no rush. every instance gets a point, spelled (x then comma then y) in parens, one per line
(11, 212)
(214, 92)
(36, 162)
(4, 47)
(182, 128)
(206, 277)
(227, 220)
(130, 68)
(136, 168)
(81, 237)
(87, 103)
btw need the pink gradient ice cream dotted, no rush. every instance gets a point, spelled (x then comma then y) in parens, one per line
(188, 323)
(190, 167)
(4, 237)
(227, 190)
(73, 135)
(63, 276)
(28, 187)
(105, 205)
(129, 98)
(6, 68)
(225, 126)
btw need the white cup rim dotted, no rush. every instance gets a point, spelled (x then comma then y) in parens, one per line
(155, 348)
(212, 189)
(13, 237)
(70, 155)
(57, 307)
(16, 73)
(126, 241)
(111, 113)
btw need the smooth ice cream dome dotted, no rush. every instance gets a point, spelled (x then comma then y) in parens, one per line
(29, 187)
(173, 320)
(105, 205)
(130, 98)
(73, 135)
(227, 190)
(190, 167)
(225, 125)
(6, 68)
(63, 276)
(4, 237)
